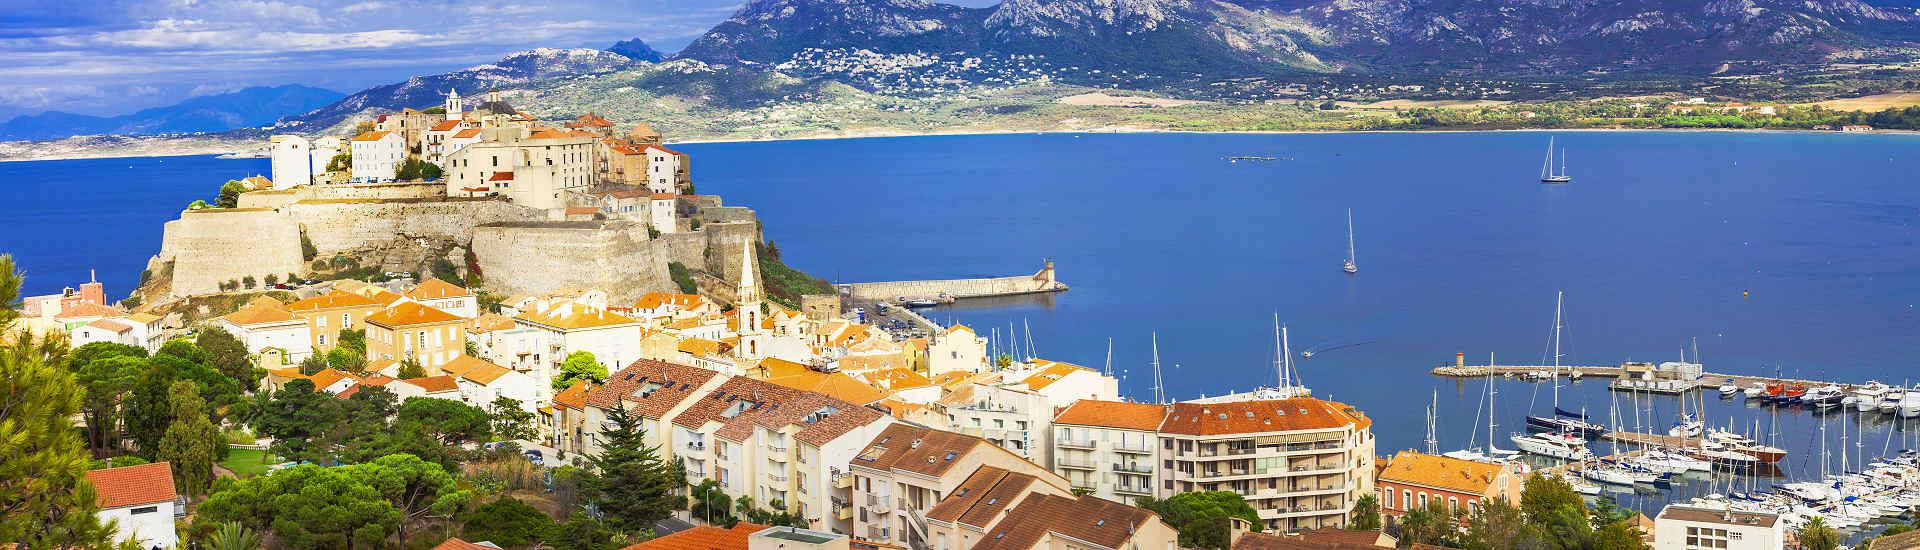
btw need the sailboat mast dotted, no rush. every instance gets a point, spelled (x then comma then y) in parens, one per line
(1279, 354)
(1286, 364)
(1350, 256)
(1109, 368)
(1433, 445)
(1159, 392)
(1546, 168)
(1490, 394)
(1556, 351)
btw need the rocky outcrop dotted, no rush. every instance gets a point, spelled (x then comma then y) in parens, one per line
(429, 91)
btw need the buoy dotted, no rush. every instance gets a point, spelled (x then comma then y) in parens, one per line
(1743, 294)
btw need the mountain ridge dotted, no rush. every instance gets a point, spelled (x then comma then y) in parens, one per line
(245, 108)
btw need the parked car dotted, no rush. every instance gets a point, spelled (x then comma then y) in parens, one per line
(534, 456)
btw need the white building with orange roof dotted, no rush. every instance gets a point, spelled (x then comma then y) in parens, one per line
(1410, 480)
(445, 296)
(661, 308)
(140, 501)
(1064, 383)
(590, 297)
(535, 170)
(412, 330)
(264, 324)
(1300, 463)
(105, 330)
(663, 212)
(838, 385)
(957, 349)
(898, 477)
(377, 156)
(481, 382)
(668, 171)
(483, 329)
(1109, 448)
(440, 139)
(542, 338)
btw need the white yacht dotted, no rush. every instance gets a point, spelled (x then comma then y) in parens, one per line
(1910, 404)
(1890, 403)
(1867, 398)
(1690, 463)
(1756, 389)
(1556, 445)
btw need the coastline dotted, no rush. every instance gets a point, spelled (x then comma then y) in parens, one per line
(240, 148)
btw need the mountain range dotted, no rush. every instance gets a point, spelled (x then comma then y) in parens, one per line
(423, 91)
(244, 108)
(1217, 39)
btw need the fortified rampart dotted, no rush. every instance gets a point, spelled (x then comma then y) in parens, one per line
(519, 258)
(211, 246)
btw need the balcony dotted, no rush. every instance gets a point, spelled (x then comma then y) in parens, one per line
(777, 456)
(697, 446)
(1133, 468)
(701, 473)
(777, 449)
(1241, 451)
(1084, 485)
(877, 504)
(842, 480)
(878, 533)
(1072, 444)
(1124, 447)
(1074, 464)
(1133, 490)
(776, 477)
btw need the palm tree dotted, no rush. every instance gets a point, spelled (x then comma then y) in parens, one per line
(234, 536)
(1817, 536)
(1366, 514)
(1415, 525)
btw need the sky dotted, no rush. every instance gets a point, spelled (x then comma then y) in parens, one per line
(110, 57)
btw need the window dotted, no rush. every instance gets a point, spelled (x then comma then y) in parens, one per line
(323, 340)
(1423, 500)
(323, 321)
(152, 509)
(345, 321)
(1702, 537)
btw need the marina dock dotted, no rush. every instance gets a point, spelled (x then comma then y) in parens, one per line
(1626, 377)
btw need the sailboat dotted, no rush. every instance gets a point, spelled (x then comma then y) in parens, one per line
(1349, 267)
(1546, 170)
(1563, 421)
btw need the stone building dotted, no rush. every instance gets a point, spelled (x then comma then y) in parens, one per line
(292, 158)
(537, 171)
(377, 156)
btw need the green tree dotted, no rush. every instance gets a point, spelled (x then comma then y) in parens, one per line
(1816, 535)
(230, 194)
(1543, 496)
(1201, 517)
(355, 340)
(631, 485)
(345, 360)
(309, 507)
(46, 503)
(148, 409)
(445, 421)
(510, 421)
(711, 504)
(307, 250)
(584, 533)
(247, 281)
(472, 349)
(1567, 527)
(108, 372)
(416, 488)
(297, 418)
(1619, 535)
(314, 363)
(272, 278)
(411, 369)
(342, 162)
(509, 523)
(579, 365)
(190, 443)
(1366, 514)
(682, 277)
(1500, 526)
(233, 535)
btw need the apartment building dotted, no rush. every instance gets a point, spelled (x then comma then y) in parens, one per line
(1009, 514)
(445, 296)
(328, 314)
(1110, 448)
(412, 330)
(1010, 416)
(786, 448)
(543, 337)
(1301, 462)
(906, 470)
(1683, 527)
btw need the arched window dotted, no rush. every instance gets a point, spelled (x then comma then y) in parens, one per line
(1423, 499)
(1406, 499)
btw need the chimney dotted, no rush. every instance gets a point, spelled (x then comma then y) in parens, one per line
(1236, 528)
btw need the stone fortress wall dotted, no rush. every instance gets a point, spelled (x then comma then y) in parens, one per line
(215, 245)
(534, 257)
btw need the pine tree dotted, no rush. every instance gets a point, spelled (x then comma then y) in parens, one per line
(631, 484)
(191, 441)
(44, 503)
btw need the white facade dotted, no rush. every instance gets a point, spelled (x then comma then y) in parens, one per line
(1015, 419)
(291, 336)
(959, 349)
(541, 340)
(662, 212)
(517, 385)
(537, 171)
(377, 156)
(1682, 527)
(292, 161)
(151, 524)
(324, 149)
(663, 170)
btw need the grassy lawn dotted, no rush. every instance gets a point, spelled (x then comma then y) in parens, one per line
(247, 463)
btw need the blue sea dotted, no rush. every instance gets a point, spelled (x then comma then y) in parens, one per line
(1775, 252)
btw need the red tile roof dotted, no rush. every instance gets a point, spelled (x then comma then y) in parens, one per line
(434, 384)
(501, 176)
(457, 544)
(575, 396)
(1304, 413)
(776, 407)
(981, 498)
(677, 383)
(467, 133)
(133, 485)
(704, 537)
(447, 125)
(916, 449)
(1088, 518)
(1113, 414)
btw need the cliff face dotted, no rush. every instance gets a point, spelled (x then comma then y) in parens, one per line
(617, 257)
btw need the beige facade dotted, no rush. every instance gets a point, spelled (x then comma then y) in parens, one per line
(538, 170)
(1301, 463)
(907, 469)
(410, 330)
(328, 314)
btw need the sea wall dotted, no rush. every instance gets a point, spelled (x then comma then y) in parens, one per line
(1041, 281)
(215, 245)
(616, 256)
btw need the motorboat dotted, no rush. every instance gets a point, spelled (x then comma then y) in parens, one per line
(1556, 445)
(1569, 422)
(1824, 397)
(1867, 398)
(1729, 441)
(1610, 474)
(1910, 404)
(1728, 389)
(1686, 429)
(1755, 390)
(1691, 463)
(1890, 403)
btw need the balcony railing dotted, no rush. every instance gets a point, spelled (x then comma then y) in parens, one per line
(877, 504)
(1072, 444)
(1133, 489)
(696, 445)
(696, 473)
(780, 449)
(1125, 447)
(1075, 464)
(1133, 468)
(1245, 451)
(776, 476)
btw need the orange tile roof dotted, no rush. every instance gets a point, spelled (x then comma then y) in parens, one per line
(916, 449)
(575, 396)
(326, 377)
(1302, 413)
(663, 196)
(1088, 518)
(489, 322)
(434, 289)
(434, 384)
(652, 300)
(897, 378)
(1113, 414)
(467, 133)
(88, 309)
(333, 299)
(109, 326)
(1052, 373)
(1440, 472)
(406, 314)
(980, 498)
(457, 544)
(704, 537)
(666, 385)
(372, 136)
(259, 312)
(575, 316)
(775, 407)
(473, 368)
(668, 151)
(446, 125)
(133, 485)
(698, 347)
(501, 176)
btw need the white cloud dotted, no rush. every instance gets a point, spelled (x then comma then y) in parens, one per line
(214, 89)
(35, 97)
